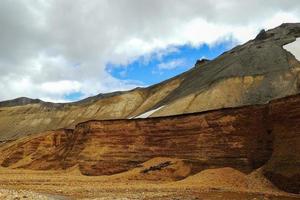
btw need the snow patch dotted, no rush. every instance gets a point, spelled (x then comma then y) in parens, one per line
(294, 48)
(148, 113)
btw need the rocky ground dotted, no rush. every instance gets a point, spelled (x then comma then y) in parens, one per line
(29, 184)
(151, 194)
(25, 194)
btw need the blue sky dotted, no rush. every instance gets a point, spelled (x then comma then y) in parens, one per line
(74, 96)
(157, 67)
(161, 67)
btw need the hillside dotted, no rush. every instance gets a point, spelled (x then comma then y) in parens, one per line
(253, 73)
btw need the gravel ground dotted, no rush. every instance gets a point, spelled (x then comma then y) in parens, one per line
(28, 195)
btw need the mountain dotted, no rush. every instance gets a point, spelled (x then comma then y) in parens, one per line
(21, 101)
(253, 73)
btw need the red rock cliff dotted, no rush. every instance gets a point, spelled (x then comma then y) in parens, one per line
(244, 138)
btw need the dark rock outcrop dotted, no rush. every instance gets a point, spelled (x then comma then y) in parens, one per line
(201, 62)
(262, 35)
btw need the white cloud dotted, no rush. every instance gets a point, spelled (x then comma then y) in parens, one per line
(280, 17)
(294, 48)
(51, 48)
(61, 87)
(171, 64)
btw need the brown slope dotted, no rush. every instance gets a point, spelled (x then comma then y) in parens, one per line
(253, 73)
(230, 179)
(33, 118)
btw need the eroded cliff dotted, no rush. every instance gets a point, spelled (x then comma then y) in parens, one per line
(244, 138)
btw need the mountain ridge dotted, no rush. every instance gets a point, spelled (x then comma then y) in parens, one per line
(253, 73)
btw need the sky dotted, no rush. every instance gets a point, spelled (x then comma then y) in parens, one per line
(66, 50)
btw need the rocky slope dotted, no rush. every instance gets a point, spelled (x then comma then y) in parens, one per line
(246, 138)
(253, 73)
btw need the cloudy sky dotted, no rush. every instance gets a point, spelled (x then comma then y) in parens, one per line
(64, 50)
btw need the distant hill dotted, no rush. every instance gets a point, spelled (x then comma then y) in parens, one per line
(21, 101)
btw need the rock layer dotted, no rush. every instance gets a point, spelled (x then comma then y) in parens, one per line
(233, 137)
(243, 138)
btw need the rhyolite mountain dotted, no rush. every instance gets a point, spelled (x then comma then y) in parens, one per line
(253, 73)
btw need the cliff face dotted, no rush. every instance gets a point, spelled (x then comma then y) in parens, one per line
(235, 138)
(283, 168)
(244, 138)
(253, 73)
(210, 140)
(27, 150)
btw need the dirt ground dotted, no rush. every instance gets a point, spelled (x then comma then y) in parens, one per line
(27, 184)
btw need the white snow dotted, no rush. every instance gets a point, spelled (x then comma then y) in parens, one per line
(294, 48)
(148, 113)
